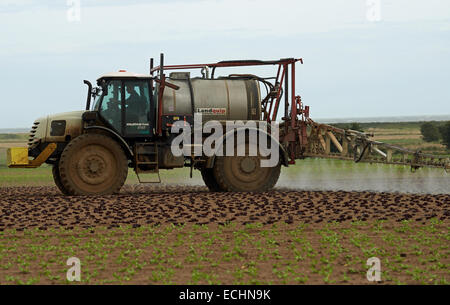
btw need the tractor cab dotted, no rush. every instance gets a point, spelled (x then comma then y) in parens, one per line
(125, 103)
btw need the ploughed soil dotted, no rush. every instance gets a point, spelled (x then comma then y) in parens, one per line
(44, 207)
(150, 235)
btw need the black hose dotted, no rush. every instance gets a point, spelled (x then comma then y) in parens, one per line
(362, 153)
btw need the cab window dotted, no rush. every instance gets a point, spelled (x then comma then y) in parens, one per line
(110, 105)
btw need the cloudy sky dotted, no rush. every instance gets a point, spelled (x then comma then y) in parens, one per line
(353, 66)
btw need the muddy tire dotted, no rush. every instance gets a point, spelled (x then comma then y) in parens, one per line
(93, 164)
(210, 180)
(57, 179)
(245, 174)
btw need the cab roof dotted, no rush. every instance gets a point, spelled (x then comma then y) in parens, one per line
(124, 74)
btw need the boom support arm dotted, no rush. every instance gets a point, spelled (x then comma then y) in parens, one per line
(326, 141)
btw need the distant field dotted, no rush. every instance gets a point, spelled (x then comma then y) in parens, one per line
(391, 125)
(13, 137)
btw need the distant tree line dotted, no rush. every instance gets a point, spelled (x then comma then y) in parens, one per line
(432, 132)
(353, 126)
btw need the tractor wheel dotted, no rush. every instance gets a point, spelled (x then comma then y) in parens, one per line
(93, 164)
(245, 174)
(210, 180)
(57, 179)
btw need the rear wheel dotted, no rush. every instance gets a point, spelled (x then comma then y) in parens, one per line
(210, 180)
(93, 164)
(245, 174)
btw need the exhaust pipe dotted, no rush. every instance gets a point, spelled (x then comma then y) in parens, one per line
(88, 100)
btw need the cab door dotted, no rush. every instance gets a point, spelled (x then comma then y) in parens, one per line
(126, 108)
(137, 108)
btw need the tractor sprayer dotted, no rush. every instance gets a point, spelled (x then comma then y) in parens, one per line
(141, 121)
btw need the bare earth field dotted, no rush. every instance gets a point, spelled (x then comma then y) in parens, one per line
(44, 207)
(177, 234)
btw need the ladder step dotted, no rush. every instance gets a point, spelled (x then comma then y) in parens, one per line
(142, 150)
(148, 172)
(146, 162)
(148, 153)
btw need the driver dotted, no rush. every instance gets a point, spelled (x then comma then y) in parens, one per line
(135, 104)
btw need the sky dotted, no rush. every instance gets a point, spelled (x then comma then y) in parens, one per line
(358, 61)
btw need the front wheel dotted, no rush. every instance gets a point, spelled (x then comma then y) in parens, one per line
(93, 164)
(57, 179)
